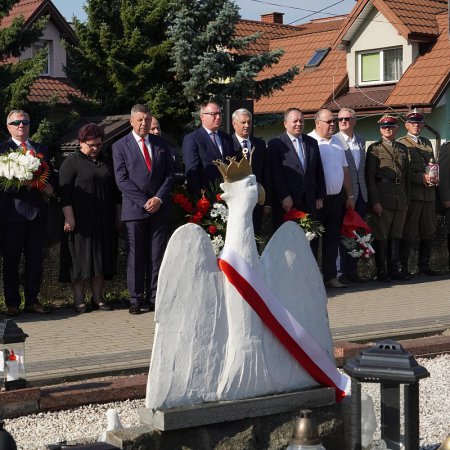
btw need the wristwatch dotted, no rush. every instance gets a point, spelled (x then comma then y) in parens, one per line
(351, 196)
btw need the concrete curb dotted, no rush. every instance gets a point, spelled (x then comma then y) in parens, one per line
(103, 390)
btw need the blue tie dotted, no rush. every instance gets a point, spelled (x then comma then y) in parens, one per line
(298, 147)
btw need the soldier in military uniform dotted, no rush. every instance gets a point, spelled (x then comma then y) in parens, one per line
(421, 216)
(387, 180)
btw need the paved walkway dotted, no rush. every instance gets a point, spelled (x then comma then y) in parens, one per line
(65, 344)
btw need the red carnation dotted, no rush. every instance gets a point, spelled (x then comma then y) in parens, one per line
(203, 205)
(212, 229)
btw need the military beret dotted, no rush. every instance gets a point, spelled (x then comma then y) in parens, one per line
(415, 117)
(388, 121)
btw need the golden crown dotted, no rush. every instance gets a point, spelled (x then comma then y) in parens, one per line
(235, 171)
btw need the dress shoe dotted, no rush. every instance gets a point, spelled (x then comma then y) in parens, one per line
(383, 277)
(146, 306)
(135, 308)
(12, 311)
(36, 308)
(344, 279)
(81, 308)
(334, 283)
(102, 306)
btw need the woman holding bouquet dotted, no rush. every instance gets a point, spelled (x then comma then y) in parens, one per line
(90, 203)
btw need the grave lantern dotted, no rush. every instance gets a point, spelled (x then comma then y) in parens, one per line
(389, 365)
(305, 436)
(12, 356)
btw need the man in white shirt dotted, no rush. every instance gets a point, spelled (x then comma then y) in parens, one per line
(355, 152)
(338, 181)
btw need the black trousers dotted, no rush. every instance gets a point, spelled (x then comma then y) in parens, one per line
(331, 216)
(25, 237)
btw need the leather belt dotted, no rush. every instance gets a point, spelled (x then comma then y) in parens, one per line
(396, 180)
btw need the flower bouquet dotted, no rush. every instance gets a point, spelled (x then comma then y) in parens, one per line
(311, 227)
(23, 168)
(356, 236)
(209, 211)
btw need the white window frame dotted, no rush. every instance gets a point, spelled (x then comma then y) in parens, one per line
(381, 74)
(40, 45)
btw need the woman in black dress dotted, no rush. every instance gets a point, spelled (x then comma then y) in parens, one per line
(90, 203)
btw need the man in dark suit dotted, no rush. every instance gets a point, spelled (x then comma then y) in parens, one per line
(297, 173)
(242, 124)
(143, 168)
(23, 214)
(355, 152)
(203, 146)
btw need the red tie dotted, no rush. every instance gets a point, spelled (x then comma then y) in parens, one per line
(24, 146)
(148, 160)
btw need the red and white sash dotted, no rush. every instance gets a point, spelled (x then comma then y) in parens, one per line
(282, 323)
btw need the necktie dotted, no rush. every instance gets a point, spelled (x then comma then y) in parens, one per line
(418, 141)
(147, 158)
(24, 146)
(216, 142)
(298, 146)
(245, 143)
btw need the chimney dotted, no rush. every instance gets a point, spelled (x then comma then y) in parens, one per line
(274, 17)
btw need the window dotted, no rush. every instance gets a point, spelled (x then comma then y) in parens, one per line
(42, 45)
(380, 66)
(317, 57)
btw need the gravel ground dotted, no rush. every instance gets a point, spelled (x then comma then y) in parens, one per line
(36, 431)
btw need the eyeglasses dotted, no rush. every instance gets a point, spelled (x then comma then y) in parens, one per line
(213, 114)
(347, 119)
(16, 123)
(329, 122)
(92, 146)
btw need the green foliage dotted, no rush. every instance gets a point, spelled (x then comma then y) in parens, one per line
(16, 78)
(123, 55)
(207, 58)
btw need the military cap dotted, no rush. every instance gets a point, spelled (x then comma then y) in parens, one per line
(388, 121)
(415, 117)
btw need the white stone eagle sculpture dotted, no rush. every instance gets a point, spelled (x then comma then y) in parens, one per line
(209, 343)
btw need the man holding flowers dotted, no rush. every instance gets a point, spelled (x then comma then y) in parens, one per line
(23, 213)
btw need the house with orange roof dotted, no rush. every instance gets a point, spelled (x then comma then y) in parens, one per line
(53, 81)
(384, 56)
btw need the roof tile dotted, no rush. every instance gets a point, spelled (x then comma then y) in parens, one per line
(45, 88)
(23, 8)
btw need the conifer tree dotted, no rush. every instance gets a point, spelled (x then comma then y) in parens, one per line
(210, 61)
(122, 57)
(16, 77)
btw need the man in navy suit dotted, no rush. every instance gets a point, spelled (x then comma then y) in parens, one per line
(144, 170)
(23, 214)
(297, 173)
(242, 124)
(203, 146)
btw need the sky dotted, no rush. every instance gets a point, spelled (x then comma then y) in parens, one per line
(295, 11)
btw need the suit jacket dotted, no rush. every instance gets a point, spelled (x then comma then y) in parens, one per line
(260, 164)
(444, 172)
(288, 175)
(357, 174)
(21, 205)
(134, 180)
(199, 152)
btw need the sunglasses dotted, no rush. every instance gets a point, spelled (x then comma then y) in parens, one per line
(347, 119)
(329, 122)
(16, 123)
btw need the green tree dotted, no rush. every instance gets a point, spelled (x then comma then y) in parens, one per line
(16, 77)
(123, 55)
(211, 62)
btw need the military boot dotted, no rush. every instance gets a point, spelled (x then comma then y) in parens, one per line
(380, 247)
(424, 258)
(405, 250)
(394, 259)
